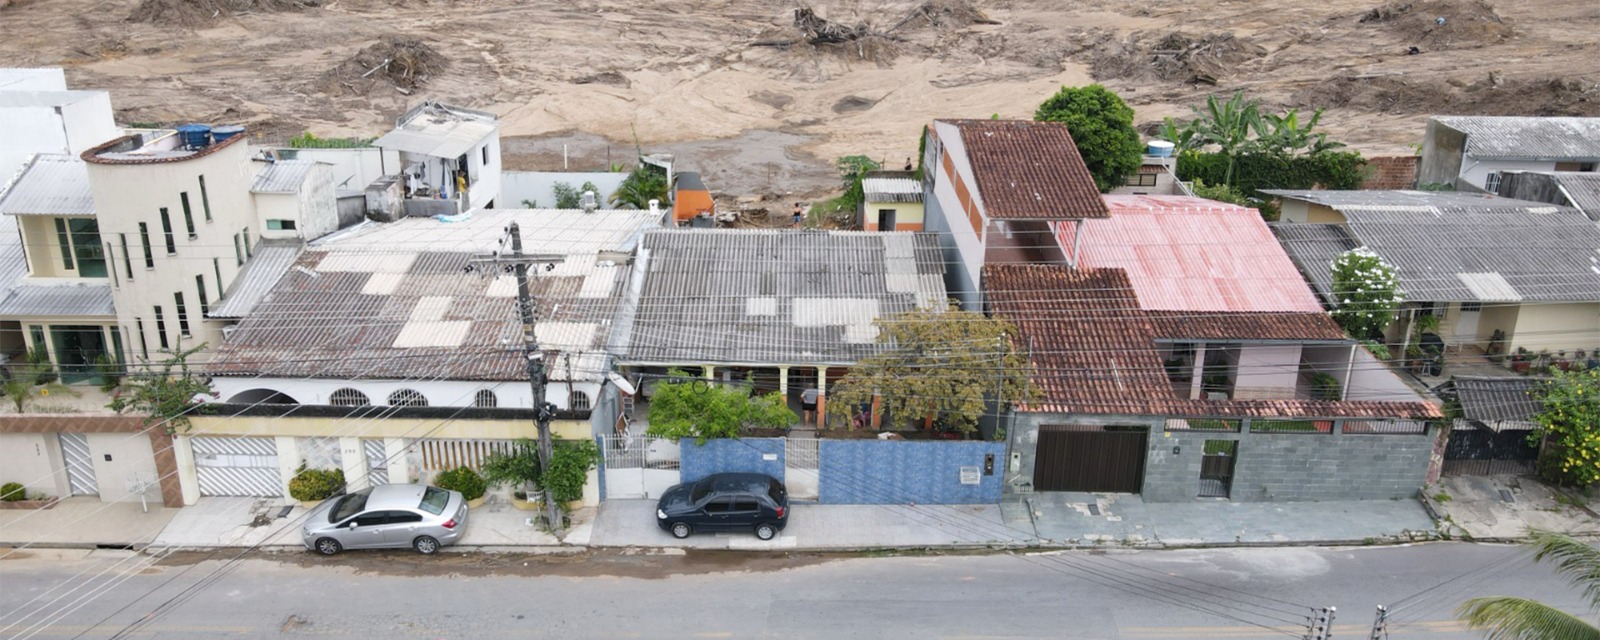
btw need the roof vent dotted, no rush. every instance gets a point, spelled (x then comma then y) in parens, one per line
(588, 202)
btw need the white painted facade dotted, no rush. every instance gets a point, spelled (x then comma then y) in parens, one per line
(313, 211)
(67, 122)
(962, 242)
(351, 169)
(514, 394)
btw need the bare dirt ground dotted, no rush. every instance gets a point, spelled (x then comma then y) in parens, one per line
(737, 87)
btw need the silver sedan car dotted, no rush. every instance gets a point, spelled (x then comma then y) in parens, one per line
(391, 516)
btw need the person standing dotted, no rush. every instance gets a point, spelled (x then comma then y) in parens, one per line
(808, 406)
(799, 215)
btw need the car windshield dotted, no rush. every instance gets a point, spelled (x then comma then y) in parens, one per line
(700, 491)
(434, 500)
(349, 505)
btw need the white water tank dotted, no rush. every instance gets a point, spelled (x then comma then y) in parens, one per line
(1159, 148)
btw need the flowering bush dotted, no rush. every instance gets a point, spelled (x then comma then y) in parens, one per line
(1569, 426)
(1365, 291)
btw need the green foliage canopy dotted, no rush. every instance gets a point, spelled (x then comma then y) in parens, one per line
(168, 393)
(1102, 126)
(1570, 423)
(1366, 292)
(703, 409)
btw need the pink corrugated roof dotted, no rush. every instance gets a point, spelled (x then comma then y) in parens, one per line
(1191, 254)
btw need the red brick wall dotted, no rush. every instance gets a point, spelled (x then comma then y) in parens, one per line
(1391, 172)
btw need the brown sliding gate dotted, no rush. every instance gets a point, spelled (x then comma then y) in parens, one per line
(1090, 458)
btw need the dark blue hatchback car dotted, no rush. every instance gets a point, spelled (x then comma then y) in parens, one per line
(725, 502)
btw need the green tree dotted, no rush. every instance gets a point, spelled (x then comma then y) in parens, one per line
(1508, 618)
(643, 184)
(1102, 126)
(168, 393)
(1365, 292)
(851, 170)
(1569, 424)
(566, 195)
(938, 362)
(1237, 127)
(701, 409)
(32, 378)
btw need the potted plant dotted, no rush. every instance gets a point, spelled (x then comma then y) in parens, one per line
(1520, 360)
(312, 486)
(465, 480)
(1414, 360)
(1561, 362)
(518, 469)
(570, 462)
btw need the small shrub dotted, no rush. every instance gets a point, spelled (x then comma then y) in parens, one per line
(13, 492)
(1325, 387)
(1441, 497)
(463, 479)
(310, 485)
(570, 462)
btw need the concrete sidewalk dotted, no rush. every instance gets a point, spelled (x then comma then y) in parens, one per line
(1505, 507)
(632, 523)
(247, 522)
(1070, 519)
(84, 521)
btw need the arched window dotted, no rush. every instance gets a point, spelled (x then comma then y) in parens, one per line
(407, 398)
(579, 401)
(485, 399)
(348, 398)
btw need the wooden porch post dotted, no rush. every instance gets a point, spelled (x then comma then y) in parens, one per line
(822, 395)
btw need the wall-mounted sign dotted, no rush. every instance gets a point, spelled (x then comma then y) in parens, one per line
(969, 475)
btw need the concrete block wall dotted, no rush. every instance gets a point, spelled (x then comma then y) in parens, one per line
(902, 472)
(1293, 466)
(745, 455)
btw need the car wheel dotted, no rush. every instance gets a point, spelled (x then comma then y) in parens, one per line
(425, 545)
(328, 546)
(681, 530)
(766, 531)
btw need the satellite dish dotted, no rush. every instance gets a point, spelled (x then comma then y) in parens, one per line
(621, 382)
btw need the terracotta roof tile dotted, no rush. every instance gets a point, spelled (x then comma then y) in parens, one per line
(1029, 170)
(1093, 350)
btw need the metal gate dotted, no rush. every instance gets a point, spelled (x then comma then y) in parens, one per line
(377, 462)
(1478, 450)
(1090, 458)
(445, 454)
(1216, 468)
(638, 466)
(80, 466)
(236, 466)
(801, 468)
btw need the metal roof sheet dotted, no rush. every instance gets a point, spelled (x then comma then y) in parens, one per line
(1184, 253)
(891, 186)
(71, 300)
(283, 176)
(768, 296)
(1582, 189)
(1494, 399)
(13, 261)
(440, 131)
(256, 279)
(1313, 247)
(1453, 247)
(1505, 137)
(50, 185)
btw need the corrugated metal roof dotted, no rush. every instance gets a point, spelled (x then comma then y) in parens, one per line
(283, 176)
(767, 296)
(70, 300)
(51, 184)
(439, 131)
(1583, 189)
(1313, 247)
(1029, 170)
(256, 279)
(396, 301)
(1094, 351)
(1184, 253)
(1525, 137)
(13, 262)
(1453, 247)
(891, 186)
(1494, 399)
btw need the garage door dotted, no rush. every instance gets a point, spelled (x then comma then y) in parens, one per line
(1105, 459)
(236, 466)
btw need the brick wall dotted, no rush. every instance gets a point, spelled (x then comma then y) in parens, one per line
(1293, 466)
(1391, 172)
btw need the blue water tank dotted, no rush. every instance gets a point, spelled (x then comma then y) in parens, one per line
(218, 134)
(195, 136)
(1159, 149)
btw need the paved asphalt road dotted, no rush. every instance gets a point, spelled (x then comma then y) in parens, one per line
(724, 595)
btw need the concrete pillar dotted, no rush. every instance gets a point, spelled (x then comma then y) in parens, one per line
(783, 381)
(354, 460)
(877, 411)
(822, 396)
(711, 372)
(1195, 390)
(188, 477)
(399, 467)
(288, 462)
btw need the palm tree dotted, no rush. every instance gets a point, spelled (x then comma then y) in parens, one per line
(1507, 618)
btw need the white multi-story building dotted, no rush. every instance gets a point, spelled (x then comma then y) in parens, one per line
(39, 115)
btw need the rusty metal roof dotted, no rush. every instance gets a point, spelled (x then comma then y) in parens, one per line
(1029, 170)
(1094, 351)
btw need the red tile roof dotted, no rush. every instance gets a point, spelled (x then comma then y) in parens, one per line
(1093, 351)
(1029, 170)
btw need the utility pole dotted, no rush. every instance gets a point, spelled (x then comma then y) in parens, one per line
(518, 263)
(1380, 625)
(1320, 625)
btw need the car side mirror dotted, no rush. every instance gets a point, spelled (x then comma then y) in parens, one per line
(352, 524)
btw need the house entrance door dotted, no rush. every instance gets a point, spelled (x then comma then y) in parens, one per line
(1090, 458)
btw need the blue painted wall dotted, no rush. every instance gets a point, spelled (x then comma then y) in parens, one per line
(723, 456)
(901, 471)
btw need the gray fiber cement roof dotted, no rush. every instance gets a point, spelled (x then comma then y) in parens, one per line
(1526, 137)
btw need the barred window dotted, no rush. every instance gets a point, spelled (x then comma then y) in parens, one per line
(580, 401)
(348, 398)
(485, 399)
(407, 398)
